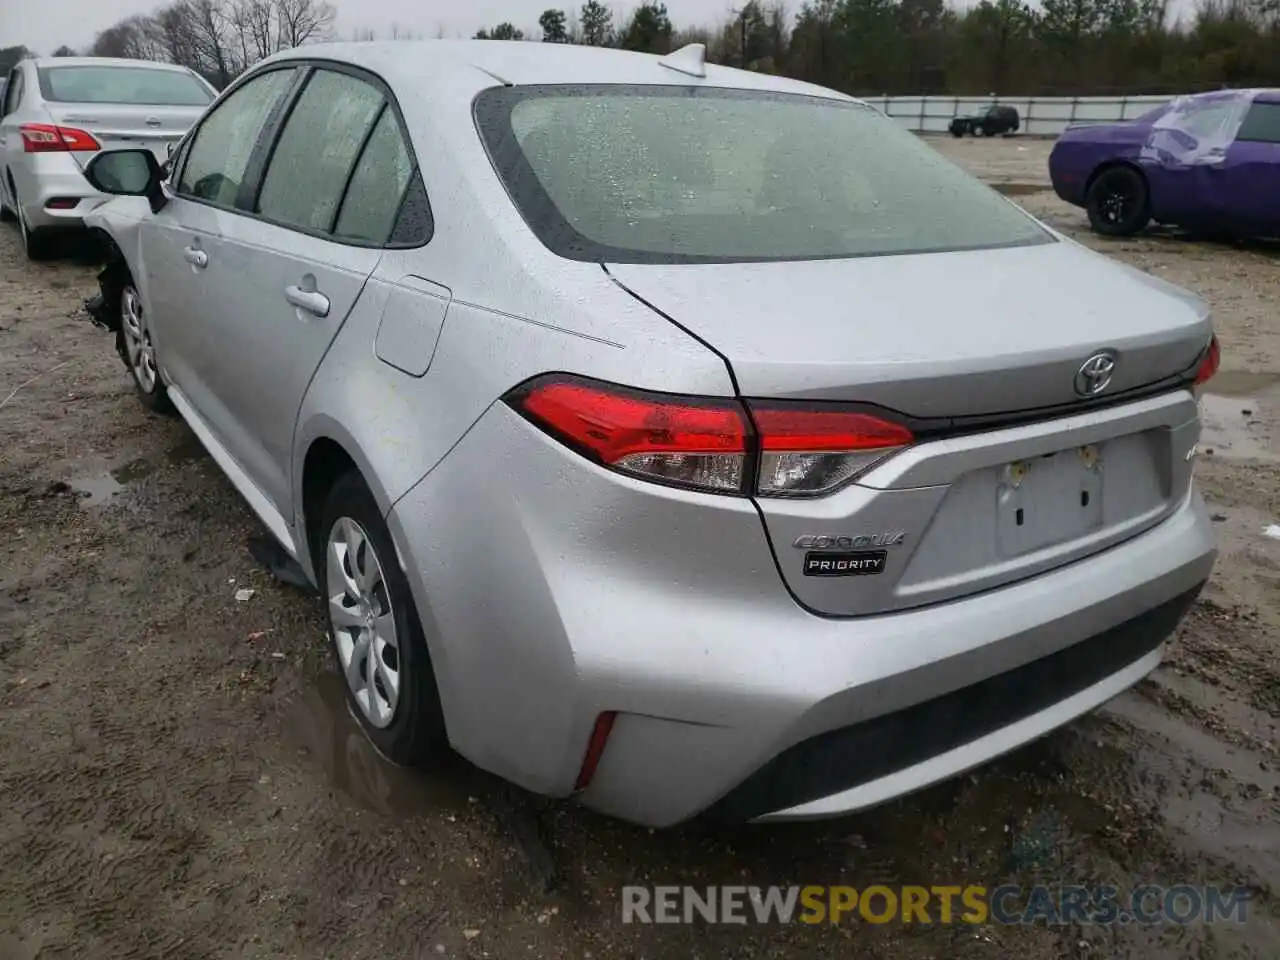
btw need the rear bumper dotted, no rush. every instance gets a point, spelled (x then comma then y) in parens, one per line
(860, 765)
(551, 591)
(55, 177)
(1068, 173)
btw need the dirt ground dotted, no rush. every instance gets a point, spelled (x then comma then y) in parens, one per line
(178, 777)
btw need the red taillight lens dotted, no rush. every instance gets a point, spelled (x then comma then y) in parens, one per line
(692, 443)
(48, 138)
(807, 452)
(1209, 365)
(707, 444)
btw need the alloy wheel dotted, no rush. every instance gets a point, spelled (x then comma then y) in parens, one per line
(363, 623)
(1116, 204)
(137, 339)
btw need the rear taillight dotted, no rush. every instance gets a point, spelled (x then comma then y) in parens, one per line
(765, 449)
(691, 443)
(1209, 363)
(48, 138)
(805, 452)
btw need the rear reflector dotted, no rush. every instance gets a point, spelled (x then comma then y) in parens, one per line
(595, 749)
(1209, 365)
(61, 203)
(715, 445)
(48, 138)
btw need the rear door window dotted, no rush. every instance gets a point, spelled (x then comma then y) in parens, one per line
(378, 184)
(314, 159)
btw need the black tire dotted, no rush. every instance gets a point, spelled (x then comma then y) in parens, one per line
(150, 387)
(416, 732)
(984, 131)
(6, 213)
(36, 244)
(957, 131)
(1117, 202)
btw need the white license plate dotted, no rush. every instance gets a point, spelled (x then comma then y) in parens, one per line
(1050, 499)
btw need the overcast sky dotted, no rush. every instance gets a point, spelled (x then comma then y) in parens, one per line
(44, 25)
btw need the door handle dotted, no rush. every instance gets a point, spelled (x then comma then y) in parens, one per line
(312, 301)
(196, 257)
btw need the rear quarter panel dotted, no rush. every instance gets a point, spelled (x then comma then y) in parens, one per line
(1080, 151)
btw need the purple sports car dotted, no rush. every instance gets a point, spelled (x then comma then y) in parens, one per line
(1207, 162)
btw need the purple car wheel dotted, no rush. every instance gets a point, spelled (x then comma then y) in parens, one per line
(1117, 202)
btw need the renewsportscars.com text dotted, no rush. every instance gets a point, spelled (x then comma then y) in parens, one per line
(968, 904)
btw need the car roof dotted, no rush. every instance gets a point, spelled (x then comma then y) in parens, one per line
(416, 63)
(1264, 94)
(107, 62)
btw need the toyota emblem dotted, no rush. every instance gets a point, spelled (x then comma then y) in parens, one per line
(1095, 374)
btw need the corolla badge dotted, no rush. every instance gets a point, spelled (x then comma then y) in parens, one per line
(809, 541)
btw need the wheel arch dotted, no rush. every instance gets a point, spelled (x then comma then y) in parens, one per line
(329, 452)
(325, 451)
(1111, 165)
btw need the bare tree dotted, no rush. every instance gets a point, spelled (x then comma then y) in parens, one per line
(255, 27)
(298, 21)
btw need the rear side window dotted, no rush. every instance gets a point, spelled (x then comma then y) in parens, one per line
(128, 85)
(377, 184)
(220, 150)
(317, 150)
(1261, 124)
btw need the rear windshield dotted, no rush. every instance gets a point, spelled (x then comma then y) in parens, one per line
(702, 175)
(129, 85)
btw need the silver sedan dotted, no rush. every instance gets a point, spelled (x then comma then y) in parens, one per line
(626, 414)
(57, 114)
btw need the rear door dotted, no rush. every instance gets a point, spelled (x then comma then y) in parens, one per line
(287, 275)
(124, 106)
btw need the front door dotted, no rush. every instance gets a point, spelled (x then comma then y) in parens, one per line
(185, 290)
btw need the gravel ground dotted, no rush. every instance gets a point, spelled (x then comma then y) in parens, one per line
(178, 778)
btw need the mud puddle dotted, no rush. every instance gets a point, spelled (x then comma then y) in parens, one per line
(320, 725)
(1222, 800)
(1233, 428)
(98, 485)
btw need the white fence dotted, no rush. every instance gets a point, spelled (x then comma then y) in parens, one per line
(1044, 116)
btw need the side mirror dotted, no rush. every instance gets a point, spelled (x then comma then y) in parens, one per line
(128, 173)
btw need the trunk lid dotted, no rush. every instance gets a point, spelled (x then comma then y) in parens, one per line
(931, 335)
(968, 341)
(124, 126)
